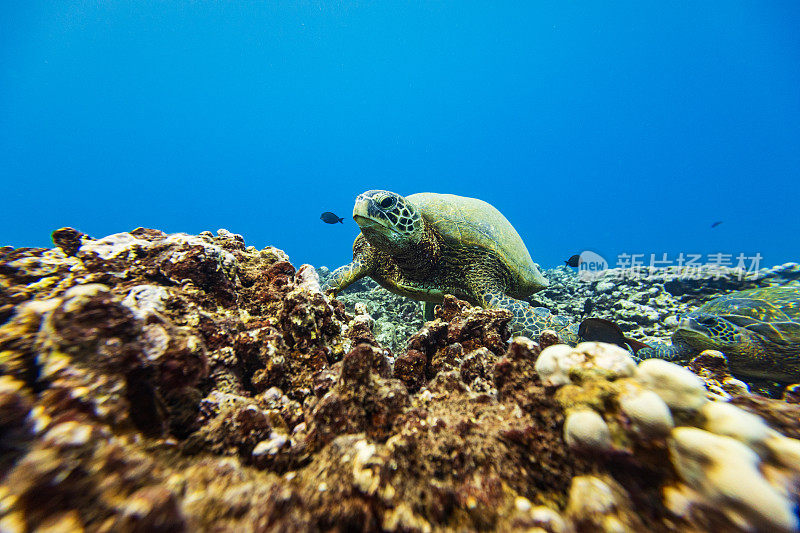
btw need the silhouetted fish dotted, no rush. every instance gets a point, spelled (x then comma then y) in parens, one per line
(573, 261)
(588, 307)
(717, 223)
(330, 218)
(600, 330)
(534, 302)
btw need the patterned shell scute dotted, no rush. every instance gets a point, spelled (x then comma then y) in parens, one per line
(766, 304)
(473, 222)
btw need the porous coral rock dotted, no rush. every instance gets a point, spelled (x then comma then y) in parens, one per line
(92, 343)
(597, 504)
(587, 430)
(725, 473)
(16, 431)
(678, 387)
(146, 300)
(359, 330)
(69, 240)
(113, 246)
(712, 367)
(299, 423)
(442, 344)
(308, 279)
(132, 352)
(476, 367)
(230, 424)
(363, 399)
(76, 466)
(397, 318)
(18, 339)
(548, 338)
(648, 413)
(561, 364)
(725, 419)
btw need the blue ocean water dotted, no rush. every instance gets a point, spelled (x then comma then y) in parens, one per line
(621, 128)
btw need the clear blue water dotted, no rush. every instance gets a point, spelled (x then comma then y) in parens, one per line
(624, 128)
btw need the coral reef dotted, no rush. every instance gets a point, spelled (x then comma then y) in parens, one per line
(154, 382)
(645, 303)
(396, 318)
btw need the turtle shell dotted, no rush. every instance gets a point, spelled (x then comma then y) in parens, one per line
(474, 223)
(766, 304)
(771, 312)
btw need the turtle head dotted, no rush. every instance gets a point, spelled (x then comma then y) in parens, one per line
(388, 221)
(703, 331)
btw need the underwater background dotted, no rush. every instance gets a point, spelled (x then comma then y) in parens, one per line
(166, 367)
(619, 128)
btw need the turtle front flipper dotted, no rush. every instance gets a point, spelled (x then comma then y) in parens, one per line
(344, 276)
(668, 352)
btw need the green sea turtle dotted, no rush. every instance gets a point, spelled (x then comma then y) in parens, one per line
(757, 329)
(426, 245)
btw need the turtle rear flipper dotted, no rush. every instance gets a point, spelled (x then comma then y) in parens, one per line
(527, 320)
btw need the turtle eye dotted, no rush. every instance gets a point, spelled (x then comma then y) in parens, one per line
(387, 202)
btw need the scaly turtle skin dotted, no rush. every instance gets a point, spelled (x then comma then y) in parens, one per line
(757, 329)
(426, 245)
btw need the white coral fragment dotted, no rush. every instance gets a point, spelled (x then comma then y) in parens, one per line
(726, 473)
(146, 300)
(586, 429)
(555, 362)
(648, 413)
(113, 245)
(725, 419)
(307, 278)
(678, 387)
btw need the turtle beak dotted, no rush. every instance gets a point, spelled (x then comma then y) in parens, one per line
(364, 219)
(361, 213)
(361, 208)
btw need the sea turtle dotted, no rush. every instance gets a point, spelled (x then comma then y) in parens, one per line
(757, 329)
(426, 245)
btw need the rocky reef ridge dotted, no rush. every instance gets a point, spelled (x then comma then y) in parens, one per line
(154, 382)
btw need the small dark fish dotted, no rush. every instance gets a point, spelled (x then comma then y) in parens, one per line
(717, 223)
(600, 330)
(588, 307)
(533, 301)
(573, 261)
(330, 218)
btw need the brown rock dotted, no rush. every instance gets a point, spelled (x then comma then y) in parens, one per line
(363, 400)
(68, 239)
